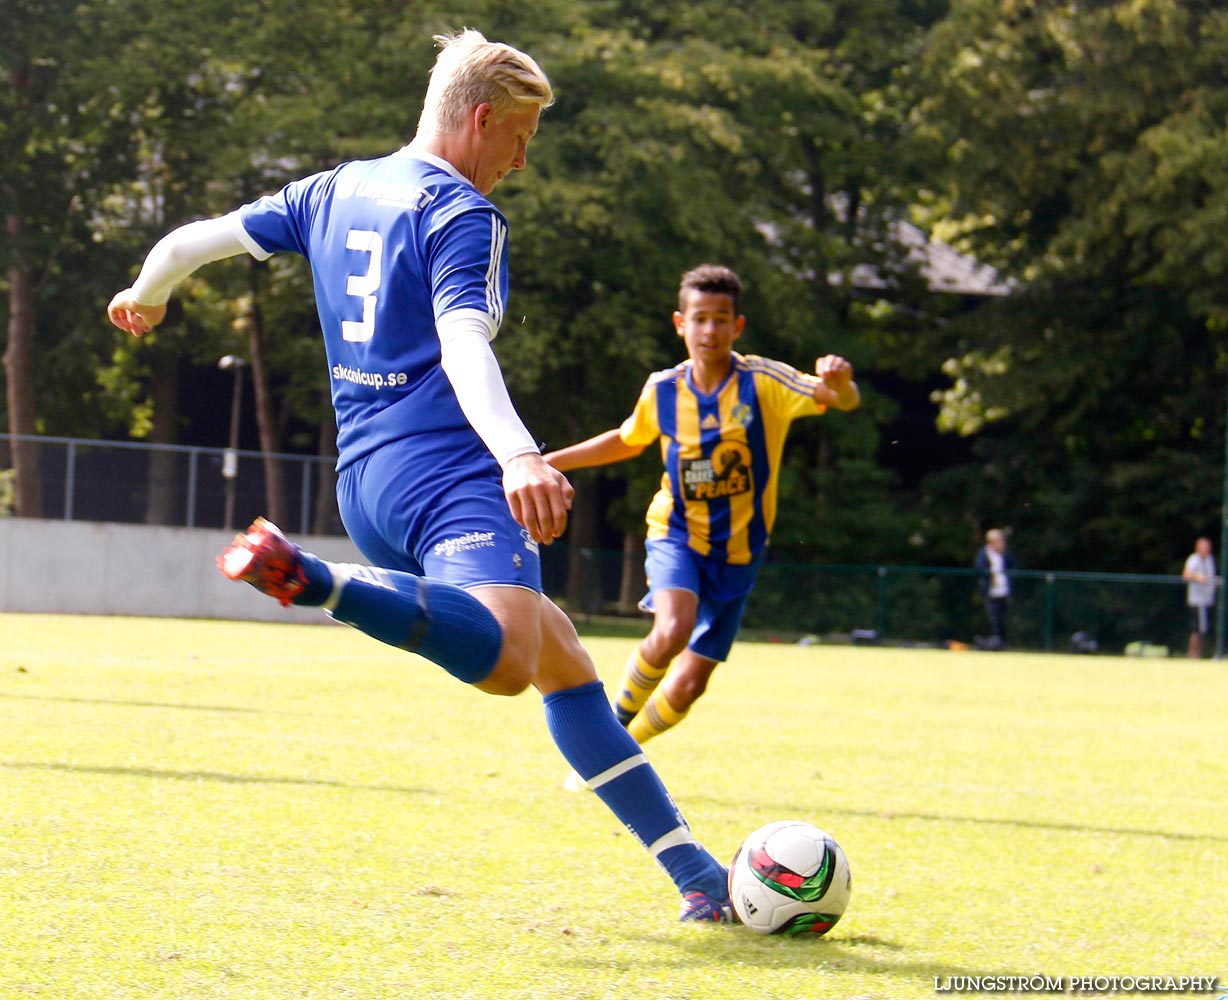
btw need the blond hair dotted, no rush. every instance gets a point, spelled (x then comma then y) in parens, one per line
(469, 71)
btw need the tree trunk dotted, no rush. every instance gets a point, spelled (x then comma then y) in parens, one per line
(583, 561)
(631, 585)
(19, 380)
(266, 422)
(327, 520)
(163, 468)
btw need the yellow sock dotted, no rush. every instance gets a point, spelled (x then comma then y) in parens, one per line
(640, 679)
(654, 718)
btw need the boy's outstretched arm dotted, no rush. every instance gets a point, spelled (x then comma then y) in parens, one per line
(604, 449)
(143, 306)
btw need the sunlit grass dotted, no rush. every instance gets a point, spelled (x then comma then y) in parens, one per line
(220, 810)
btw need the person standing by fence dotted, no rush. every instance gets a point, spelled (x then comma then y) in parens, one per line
(1199, 576)
(994, 564)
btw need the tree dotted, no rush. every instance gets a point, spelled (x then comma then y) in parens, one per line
(785, 155)
(1081, 149)
(59, 147)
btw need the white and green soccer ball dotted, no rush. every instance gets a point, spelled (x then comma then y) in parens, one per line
(789, 877)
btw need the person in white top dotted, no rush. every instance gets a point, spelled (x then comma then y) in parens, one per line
(1199, 575)
(994, 564)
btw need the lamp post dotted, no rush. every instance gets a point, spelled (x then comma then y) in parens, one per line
(230, 458)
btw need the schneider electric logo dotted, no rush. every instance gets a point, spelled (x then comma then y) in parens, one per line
(465, 543)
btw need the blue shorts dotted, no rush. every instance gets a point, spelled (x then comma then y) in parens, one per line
(722, 589)
(435, 507)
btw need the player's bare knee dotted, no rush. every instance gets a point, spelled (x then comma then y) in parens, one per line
(670, 636)
(516, 668)
(689, 690)
(509, 678)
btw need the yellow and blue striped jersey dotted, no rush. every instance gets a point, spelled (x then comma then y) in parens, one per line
(721, 452)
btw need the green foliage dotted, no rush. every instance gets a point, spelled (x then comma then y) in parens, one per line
(783, 156)
(1080, 147)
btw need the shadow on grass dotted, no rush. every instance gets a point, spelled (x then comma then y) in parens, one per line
(132, 704)
(222, 777)
(857, 954)
(1022, 824)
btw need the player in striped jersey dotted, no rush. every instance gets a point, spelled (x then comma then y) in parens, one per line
(722, 418)
(439, 483)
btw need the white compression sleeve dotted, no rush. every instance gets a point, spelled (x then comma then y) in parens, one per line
(182, 251)
(473, 370)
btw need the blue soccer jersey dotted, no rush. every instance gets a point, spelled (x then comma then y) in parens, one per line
(394, 243)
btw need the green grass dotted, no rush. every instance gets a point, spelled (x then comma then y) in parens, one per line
(216, 810)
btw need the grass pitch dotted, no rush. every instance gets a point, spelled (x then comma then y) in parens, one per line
(194, 810)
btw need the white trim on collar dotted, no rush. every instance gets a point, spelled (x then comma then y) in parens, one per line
(438, 161)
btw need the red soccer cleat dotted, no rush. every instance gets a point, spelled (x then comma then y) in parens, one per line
(266, 559)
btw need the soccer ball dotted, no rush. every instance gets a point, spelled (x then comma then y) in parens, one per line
(789, 878)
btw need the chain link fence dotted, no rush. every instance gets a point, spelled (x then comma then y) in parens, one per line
(136, 483)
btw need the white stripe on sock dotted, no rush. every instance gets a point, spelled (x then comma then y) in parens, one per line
(617, 771)
(343, 573)
(676, 837)
(341, 576)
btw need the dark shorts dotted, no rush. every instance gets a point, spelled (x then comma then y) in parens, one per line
(722, 590)
(436, 508)
(1200, 618)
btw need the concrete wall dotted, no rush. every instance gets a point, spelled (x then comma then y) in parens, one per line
(82, 567)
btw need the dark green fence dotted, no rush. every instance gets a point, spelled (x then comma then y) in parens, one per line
(929, 605)
(165, 484)
(934, 605)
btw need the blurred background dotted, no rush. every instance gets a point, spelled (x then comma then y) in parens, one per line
(1008, 215)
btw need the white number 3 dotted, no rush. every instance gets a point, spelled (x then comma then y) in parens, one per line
(363, 286)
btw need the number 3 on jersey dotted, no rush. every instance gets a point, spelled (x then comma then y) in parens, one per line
(363, 286)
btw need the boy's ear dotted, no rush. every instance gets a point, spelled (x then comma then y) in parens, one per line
(738, 326)
(483, 116)
(679, 319)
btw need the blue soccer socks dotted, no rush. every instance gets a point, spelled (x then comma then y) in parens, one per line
(601, 752)
(436, 620)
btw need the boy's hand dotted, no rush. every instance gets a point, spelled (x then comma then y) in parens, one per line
(539, 496)
(834, 371)
(135, 317)
(838, 388)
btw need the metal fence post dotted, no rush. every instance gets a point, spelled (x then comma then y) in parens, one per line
(193, 455)
(1050, 608)
(70, 478)
(880, 610)
(305, 497)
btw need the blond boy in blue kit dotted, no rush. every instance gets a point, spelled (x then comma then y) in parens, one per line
(722, 419)
(440, 484)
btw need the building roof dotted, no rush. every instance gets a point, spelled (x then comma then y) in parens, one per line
(943, 267)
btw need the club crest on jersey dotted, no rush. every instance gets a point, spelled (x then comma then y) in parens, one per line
(743, 414)
(725, 474)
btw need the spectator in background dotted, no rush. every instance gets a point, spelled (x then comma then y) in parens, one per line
(993, 565)
(1199, 575)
